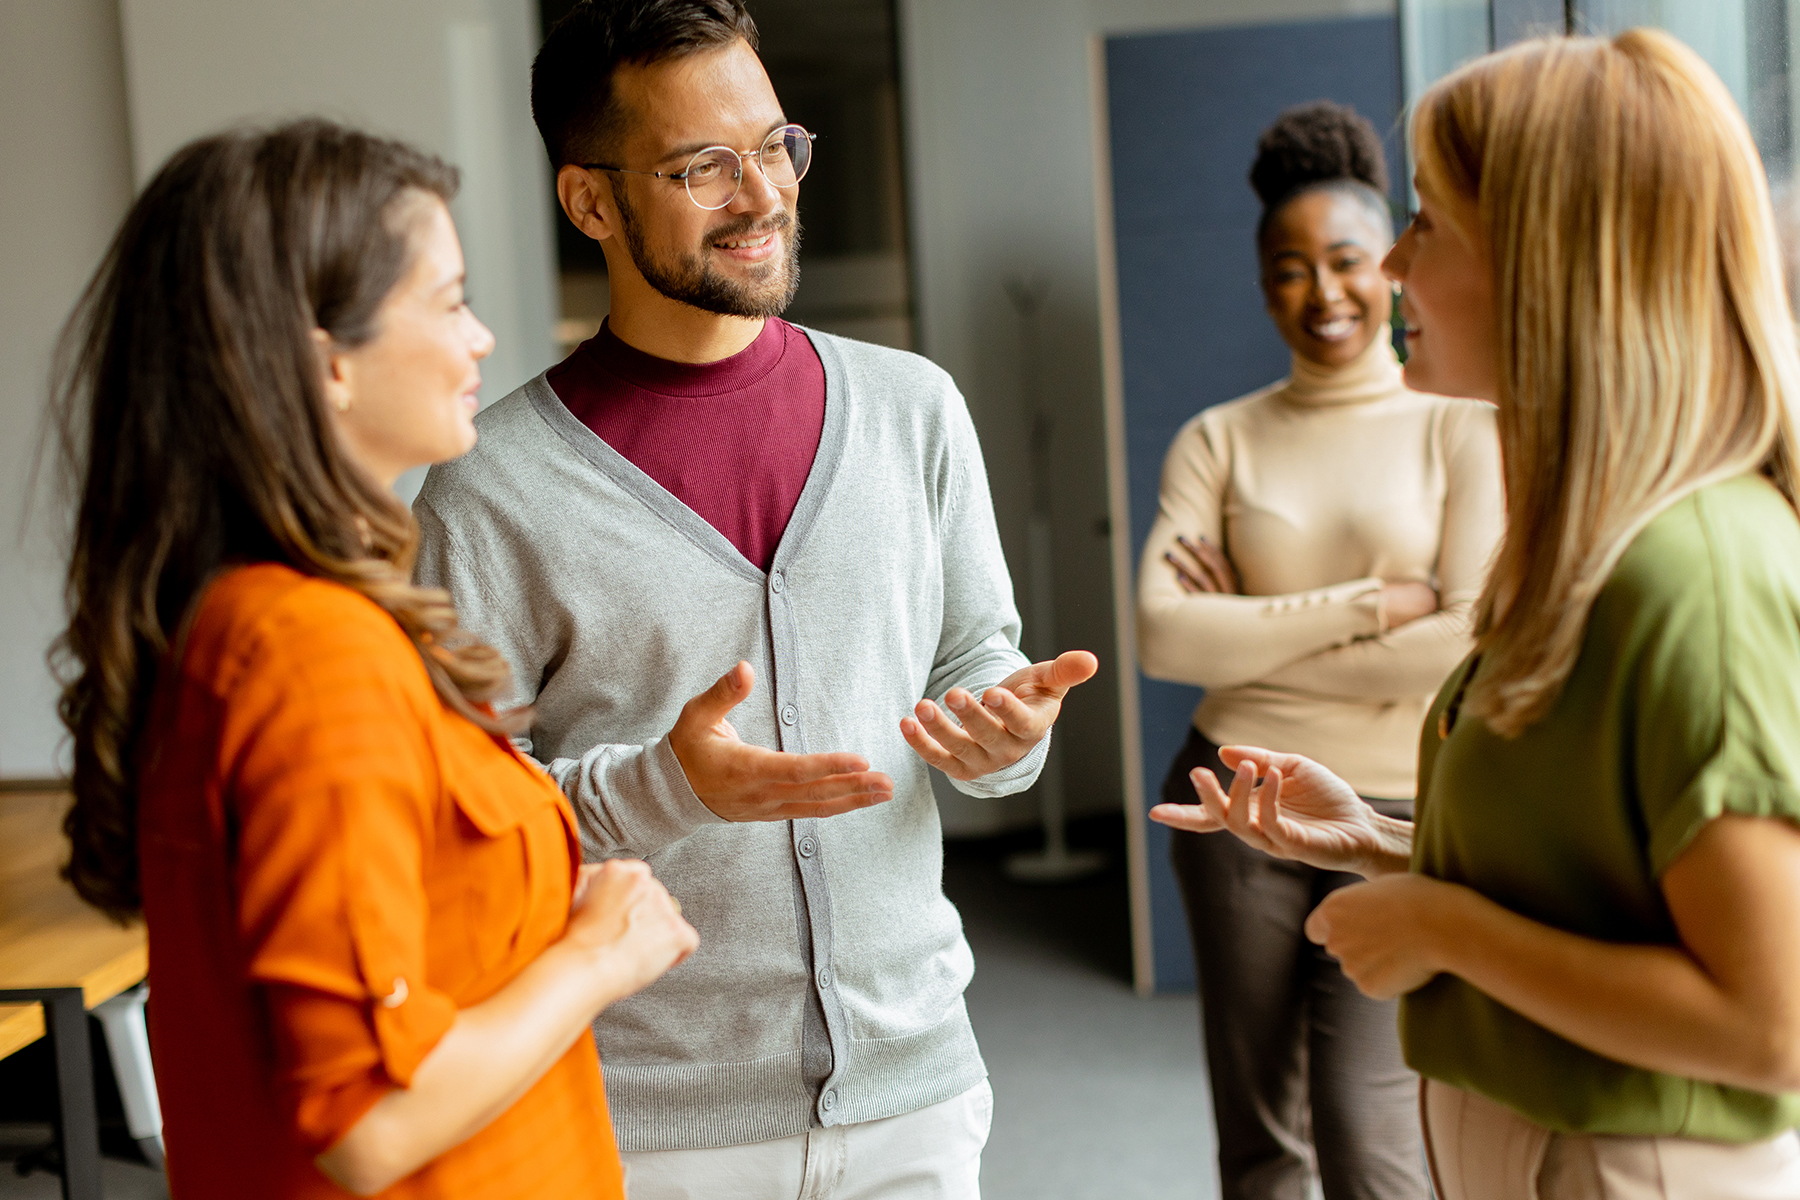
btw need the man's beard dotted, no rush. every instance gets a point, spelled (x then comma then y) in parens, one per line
(691, 279)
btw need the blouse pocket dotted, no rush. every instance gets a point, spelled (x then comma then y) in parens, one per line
(494, 874)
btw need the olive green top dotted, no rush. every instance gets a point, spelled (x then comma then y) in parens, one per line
(1684, 704)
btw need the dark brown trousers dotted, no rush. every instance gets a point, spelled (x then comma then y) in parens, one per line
(1306, 1071)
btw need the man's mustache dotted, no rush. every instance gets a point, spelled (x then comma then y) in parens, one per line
(751, 226)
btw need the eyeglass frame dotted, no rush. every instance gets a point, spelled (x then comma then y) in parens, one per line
(741, 155)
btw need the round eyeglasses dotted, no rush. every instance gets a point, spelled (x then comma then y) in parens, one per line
(714, 175)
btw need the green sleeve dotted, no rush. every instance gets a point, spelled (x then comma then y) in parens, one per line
(1715, 677)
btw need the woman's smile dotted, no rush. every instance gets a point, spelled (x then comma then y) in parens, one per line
(1338, 328)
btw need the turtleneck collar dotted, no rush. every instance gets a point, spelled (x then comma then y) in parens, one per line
(1372, 375)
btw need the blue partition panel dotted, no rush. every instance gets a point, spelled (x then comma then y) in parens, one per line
(1184, 111)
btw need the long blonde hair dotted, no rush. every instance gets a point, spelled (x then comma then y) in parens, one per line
(1644, 339)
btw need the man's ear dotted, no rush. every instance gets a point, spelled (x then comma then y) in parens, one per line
(586, 198)
(334, 372)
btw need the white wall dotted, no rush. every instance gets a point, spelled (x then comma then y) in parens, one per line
(450, 76)
(999, 128)
(94, 95)
(66, 183)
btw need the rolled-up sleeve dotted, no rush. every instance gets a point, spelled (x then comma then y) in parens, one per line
(334, 788)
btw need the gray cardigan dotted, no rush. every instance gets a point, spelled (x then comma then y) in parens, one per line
(828, 984)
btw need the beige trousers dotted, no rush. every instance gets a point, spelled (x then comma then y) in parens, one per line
(931, 1154)
(1480, 1150)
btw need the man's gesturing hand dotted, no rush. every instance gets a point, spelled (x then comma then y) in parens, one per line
(1010, 719)
(740, 782)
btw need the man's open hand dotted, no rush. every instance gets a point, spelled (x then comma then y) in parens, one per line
(741, 782)
(1010, 718)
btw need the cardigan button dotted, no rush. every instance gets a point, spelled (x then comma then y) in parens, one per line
(828, 1101)
(824, 978)
(789, 715)
(809, 846)
(776, 583)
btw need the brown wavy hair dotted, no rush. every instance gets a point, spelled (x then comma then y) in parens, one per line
(195, 436)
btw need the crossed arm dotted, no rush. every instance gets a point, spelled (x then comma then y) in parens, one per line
(1419, 632)
(1363, 639)
(1722, 1005)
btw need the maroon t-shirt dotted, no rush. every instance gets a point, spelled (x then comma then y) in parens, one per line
(733, 440)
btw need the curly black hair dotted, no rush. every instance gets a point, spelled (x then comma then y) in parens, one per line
(1315, 145)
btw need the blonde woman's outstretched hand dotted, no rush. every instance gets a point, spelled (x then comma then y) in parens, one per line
(1290, 807)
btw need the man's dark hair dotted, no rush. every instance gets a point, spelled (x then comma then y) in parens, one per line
(572, 97)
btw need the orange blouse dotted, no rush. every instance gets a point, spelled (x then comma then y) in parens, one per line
(333, 864)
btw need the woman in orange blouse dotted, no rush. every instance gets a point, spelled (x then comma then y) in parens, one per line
(373, 950)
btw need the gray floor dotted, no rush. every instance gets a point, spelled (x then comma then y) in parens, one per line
(121, 1180)
(1098, 1095)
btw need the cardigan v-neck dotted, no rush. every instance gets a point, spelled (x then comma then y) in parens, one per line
(670, 507)
(733, 440)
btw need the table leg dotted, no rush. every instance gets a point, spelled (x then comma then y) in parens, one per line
(78, 1122)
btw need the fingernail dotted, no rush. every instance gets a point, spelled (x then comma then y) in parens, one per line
(958, 701)
(992, 701)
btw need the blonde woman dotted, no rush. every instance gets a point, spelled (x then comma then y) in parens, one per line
(1595, 922)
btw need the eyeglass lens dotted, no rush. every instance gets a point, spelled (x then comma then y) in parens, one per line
(714, 175)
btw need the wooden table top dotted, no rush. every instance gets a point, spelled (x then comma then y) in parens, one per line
(49, 938)
(20, 1025)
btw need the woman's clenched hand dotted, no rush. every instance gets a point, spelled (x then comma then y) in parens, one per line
(629, 923)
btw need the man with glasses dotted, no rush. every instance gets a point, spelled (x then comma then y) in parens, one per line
(748, 578)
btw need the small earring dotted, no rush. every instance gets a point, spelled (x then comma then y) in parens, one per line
(342, 404)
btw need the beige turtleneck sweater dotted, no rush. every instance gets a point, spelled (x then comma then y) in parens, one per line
(1319, 488)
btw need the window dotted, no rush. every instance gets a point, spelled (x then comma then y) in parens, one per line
(1748, 42)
